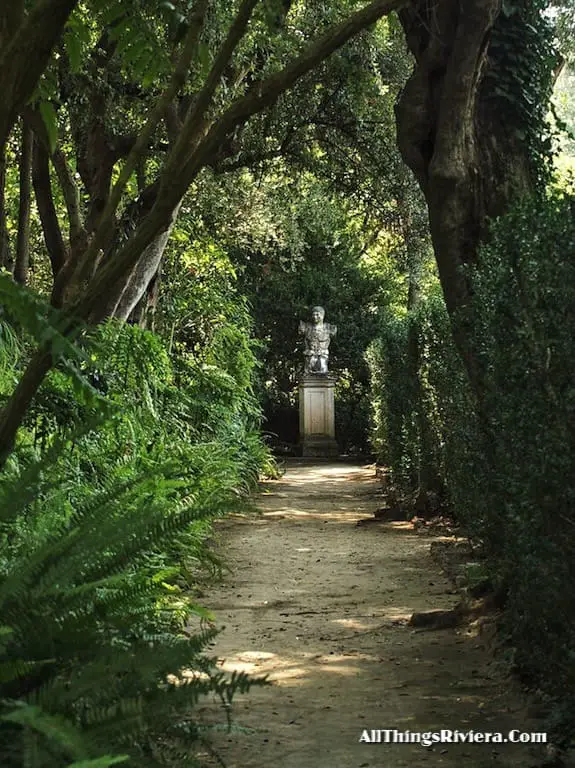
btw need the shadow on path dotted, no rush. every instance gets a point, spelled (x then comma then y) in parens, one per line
(321, 606)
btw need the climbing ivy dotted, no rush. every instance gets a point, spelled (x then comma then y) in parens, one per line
(522, 62)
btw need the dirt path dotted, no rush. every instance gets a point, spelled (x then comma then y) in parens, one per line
(321, 606)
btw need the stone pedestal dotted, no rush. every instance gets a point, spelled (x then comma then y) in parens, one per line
(317, 415)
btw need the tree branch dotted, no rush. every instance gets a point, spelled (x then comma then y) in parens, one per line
(71, 195)
(57, 251)
(195, 123)
(23, 239)
(25, 57)
(173, 187)
(5, 254)
(141, 145)
(266, 93)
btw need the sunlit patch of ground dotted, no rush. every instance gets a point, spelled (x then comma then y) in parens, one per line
(321, 606)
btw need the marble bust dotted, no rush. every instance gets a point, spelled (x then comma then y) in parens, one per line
(317, 335)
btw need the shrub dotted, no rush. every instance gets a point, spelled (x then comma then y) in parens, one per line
(508, 466)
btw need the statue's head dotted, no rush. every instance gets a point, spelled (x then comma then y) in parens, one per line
(317, 315)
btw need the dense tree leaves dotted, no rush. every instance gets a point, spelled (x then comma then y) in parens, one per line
(106, 269)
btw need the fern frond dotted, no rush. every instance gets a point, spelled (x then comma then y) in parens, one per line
(99, 762)
(54, 727)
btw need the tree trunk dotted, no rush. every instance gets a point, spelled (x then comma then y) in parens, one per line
(144, 313)
(465, 156)
(21, 399)
(25, 47)
(23, 240)
(129, 294)
(146, 270)
(5, 253)
(57, 250)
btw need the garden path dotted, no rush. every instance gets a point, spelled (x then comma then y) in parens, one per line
(321, 605)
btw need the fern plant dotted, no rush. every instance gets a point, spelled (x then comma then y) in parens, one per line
(104, 523)
(98, 661)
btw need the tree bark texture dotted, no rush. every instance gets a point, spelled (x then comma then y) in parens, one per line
(57, 250)
(467, 159)
(144, 313)
(26, 43)
(5, 252)
(129, 292)
(23, 239)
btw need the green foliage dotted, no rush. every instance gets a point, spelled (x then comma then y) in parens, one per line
(523, 58)
(209, 329)
(105, 515)
(525, 342)
(419, 390)
(563, 14)
(507, 461)
(10, 351)
(34, 316)
(98, 651)
(563, 107)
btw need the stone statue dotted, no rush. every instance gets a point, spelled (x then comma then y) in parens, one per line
(317, 337)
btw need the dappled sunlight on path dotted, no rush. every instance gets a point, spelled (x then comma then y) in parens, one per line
(321, 606)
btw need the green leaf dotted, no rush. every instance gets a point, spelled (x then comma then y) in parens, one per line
(74, 50)
(55, 728)
(204, 58)
(50, 119)
(13, 669)
(113, 13)
(100, 762)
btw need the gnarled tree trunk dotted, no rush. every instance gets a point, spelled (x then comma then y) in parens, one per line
(26, 43)
(467, 159)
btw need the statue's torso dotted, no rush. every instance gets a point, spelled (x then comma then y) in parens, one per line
(318, 337)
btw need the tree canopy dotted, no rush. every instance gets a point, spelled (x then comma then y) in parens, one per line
(179, 183)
